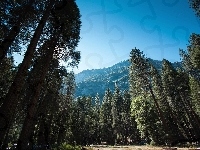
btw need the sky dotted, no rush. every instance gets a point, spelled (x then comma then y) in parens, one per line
(111, 28)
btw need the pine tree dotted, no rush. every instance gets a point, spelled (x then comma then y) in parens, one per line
(191, 64)
(195, 88)
(140, 82)
(170, 84)
(36, 85)
(96, 123)
(191, 57)
(194, 4)
(128, 124)
(59, 34)
(146, 117)
(82, 121)
(8, 107)
(65, 108)
(187, 110)
(106, 119)
(7, 71)
(48, 106)
(117, 107)
(16, 21)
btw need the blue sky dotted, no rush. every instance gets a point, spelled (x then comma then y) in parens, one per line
(111, 28)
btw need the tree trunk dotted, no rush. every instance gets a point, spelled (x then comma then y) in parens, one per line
(42, 121)
(160, 114)
(9, 105)
(61, 134)
(41, 137)
(173, 122)
(29, 123)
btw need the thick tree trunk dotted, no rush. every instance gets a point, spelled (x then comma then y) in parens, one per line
(49, 124)
(43, 134)
(8, 107)
(29, 123)
(61, 133)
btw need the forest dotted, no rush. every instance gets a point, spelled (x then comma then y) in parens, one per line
(38, 109)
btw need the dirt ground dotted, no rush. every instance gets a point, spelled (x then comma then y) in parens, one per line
(138, 148)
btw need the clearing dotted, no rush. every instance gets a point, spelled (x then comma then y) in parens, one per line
(138, 148)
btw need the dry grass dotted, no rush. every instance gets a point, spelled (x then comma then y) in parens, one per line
(138, 148)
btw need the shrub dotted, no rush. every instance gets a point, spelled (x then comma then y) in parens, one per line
(65, 146)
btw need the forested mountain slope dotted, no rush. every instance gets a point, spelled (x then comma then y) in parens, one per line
(89, 82)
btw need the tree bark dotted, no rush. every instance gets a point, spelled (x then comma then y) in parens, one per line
(41, 136)
(8, 107)
(36, 86)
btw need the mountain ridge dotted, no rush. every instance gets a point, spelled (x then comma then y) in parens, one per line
(91, 82)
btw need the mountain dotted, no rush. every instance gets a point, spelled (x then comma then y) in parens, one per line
(91, 82)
